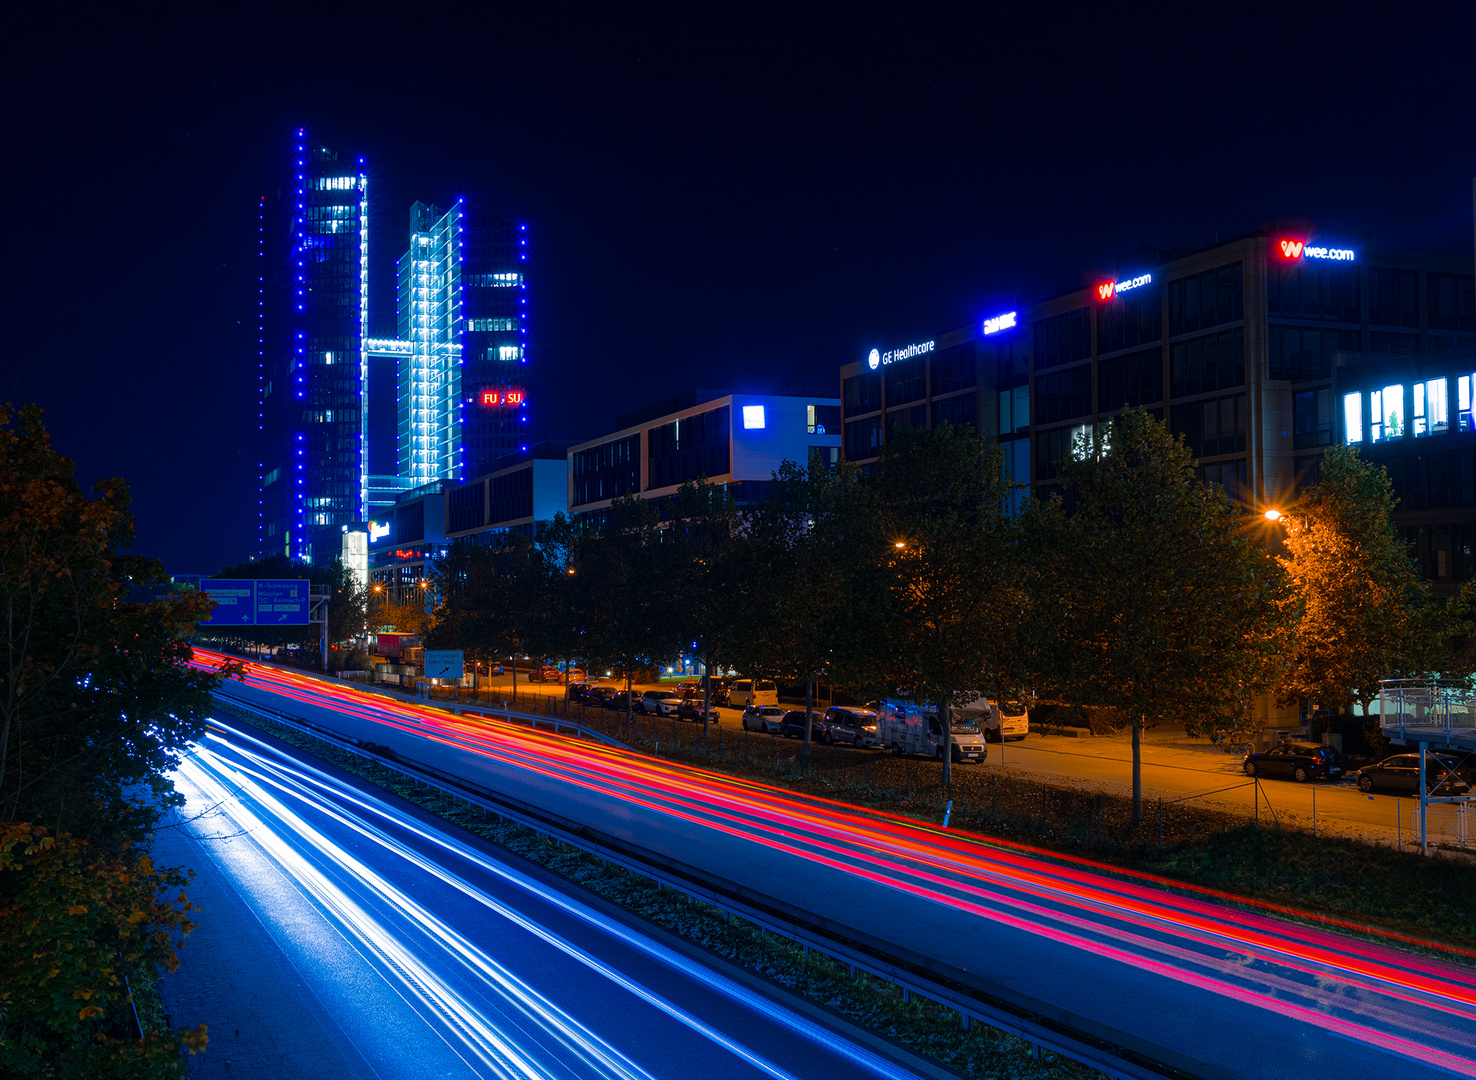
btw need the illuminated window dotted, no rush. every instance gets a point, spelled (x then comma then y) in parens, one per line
(1353, 417)
(1386, 412)
(509, 352)
(1429, 415)
(1464, 386)
(753, 416)
(491, 325)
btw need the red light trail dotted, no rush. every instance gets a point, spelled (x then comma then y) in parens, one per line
(1414, 1006)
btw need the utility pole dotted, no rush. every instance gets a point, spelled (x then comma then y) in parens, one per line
(318, 614)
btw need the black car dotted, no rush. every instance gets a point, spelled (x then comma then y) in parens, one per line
(1296, 761)
(598, 696)
(620, 700)
(793, 726)
(1401, 773)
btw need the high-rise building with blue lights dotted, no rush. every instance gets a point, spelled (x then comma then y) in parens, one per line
(463, 315)
(349, 422)
(314, 309)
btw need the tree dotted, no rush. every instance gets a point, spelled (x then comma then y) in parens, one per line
(98, 702)
(614, 594)
(74, 924)
(1359, 610)
(700, 547)
(490, 598)
(97, 695)
(1160, 595)
(954, 585)
(798, 591)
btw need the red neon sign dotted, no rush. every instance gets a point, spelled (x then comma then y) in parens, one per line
(502, 397)
(1291, 249)
(1106, 289)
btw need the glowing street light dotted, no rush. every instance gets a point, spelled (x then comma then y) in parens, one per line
(1274, 515)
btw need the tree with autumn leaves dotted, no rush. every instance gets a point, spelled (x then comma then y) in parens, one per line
(97, 704)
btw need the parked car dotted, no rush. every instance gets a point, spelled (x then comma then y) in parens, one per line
(620, 700)
(793, 726)
(577, 692)
(1296, 761)
(719, 689)
(494, 669)
(1401, 773)
(746, 692)
(658, 703)
(765, 718)
(687, 687)
(597, 696)
(852, 725)
(690, 708)
(549, 673)
(1011, 721)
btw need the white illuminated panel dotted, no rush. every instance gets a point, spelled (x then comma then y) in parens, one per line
(753, 416)
(1000, 322)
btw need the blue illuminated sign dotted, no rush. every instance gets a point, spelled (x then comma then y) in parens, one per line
(268, 602)
(1108, 289)
(235, 601)
(1000, 322)
(282, 602)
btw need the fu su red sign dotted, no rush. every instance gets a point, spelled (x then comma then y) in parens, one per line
(502, 397)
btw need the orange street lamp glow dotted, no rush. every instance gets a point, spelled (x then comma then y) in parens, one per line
(1274, 515)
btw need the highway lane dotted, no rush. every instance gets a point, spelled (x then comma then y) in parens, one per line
(1291, 1000)
(496, 973)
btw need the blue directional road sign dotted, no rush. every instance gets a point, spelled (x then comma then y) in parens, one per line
(443, 663)
(235, 601)
(281, 602)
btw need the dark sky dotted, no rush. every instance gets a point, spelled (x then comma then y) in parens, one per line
(738, 201)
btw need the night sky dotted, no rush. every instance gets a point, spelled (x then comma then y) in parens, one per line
(738, 202)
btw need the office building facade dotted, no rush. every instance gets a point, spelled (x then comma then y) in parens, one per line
(735, 440)
(313, 319)
(349, 423)
(1233, 346)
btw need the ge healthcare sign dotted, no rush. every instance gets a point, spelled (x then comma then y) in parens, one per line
(267, 602)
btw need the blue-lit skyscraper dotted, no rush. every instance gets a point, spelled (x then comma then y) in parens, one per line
(349, 422)
(463, 314)
(314, 252)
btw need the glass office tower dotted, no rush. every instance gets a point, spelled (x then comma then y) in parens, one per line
(463, 317)
(314, 306)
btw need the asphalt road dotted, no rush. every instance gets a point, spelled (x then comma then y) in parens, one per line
(1240, 994)
(354, 935)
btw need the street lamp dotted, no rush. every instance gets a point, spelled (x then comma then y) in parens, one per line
(1274, 515)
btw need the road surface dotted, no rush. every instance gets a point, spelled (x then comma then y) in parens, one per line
(1238, 992)
(409, 949)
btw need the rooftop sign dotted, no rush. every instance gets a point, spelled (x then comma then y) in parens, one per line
(877, 358)
(1108, 289)
(1297, 249)
(1000, 322)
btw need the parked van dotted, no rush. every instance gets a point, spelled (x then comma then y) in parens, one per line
(746, 692)
(997, 720)
(903, 728)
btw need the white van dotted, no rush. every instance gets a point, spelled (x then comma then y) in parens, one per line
(904, 728)
(997, 720)
(746, 692)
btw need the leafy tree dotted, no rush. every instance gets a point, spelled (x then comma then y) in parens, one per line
(490, 598)
(955, 584)
(617, 599)
(1159, 595)
(1360, 610)
(797, 594)
(98, 701)
(75, 923)
(700, 543)
(97, 696)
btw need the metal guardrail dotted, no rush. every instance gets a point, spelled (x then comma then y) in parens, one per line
(1045, 1027)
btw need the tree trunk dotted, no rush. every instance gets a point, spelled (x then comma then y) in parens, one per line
(629, 708)
(706, 694)
(515, 679)
(945, 713)
(1137, 769)
(809, 697)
